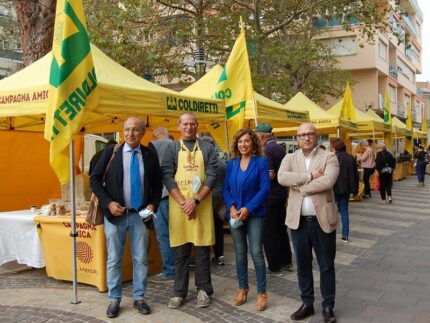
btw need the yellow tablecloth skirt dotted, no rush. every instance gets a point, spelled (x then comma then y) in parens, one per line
(54, 233)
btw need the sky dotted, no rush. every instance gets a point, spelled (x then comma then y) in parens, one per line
(425, 8)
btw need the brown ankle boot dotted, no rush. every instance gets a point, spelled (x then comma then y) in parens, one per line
(262, 301)
(241, 296)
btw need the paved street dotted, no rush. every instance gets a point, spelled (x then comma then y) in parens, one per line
(383, 275)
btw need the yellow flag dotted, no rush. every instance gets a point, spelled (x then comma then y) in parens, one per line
(409, 118)
(73, 90)
(235, 85)
(387, 108)
(424, 127)
(348, 109)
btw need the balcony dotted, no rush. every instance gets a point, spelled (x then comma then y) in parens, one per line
(392, 70)
(410, 26)
(417, 8)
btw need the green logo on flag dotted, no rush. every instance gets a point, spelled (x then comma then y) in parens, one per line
(74, 49)
(231, 111)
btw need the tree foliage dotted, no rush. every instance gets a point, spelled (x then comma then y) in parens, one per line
(159, 38)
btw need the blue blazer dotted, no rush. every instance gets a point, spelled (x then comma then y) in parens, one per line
(254, 190)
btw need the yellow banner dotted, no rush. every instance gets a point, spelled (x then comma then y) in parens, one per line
(73, 91)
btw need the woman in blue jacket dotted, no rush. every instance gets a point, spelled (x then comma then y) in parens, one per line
(246, 186)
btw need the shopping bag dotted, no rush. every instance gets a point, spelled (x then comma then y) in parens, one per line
(378, 183)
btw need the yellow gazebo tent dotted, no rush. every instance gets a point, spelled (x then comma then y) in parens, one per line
(399, 129)
(23, 98)
(325, 122)
(265, 110)
(418, 134)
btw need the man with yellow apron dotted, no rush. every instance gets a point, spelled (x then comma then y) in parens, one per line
(189, 174)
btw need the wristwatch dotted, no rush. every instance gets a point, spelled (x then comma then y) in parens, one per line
(197, 201)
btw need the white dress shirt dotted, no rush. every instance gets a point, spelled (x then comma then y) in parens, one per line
(308, 206)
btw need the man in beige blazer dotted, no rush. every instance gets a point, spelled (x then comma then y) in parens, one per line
(312, 217)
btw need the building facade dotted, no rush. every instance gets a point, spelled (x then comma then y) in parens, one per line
(388, 63)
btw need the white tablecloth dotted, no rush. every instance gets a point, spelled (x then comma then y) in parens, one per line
(19, 240)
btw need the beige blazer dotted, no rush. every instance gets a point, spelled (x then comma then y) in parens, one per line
(293, 173)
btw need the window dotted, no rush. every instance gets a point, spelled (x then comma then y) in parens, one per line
(342, 46)
(392, 93)
(382, 50)
(405, 70)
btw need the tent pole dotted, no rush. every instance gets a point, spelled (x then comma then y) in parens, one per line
(338, 132)
(255, 111)
(73, 219)
(226, 138)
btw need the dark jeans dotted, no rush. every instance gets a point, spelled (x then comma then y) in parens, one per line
(202, 270)
(386, 181)
(219, 236)
(367, 172)
(421, 171)
(275, 236)
(310, 235)
(342, 201)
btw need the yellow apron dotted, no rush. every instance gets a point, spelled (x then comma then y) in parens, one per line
(199, 231)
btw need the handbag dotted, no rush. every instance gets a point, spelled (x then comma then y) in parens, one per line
(386, 170)
(95, 213)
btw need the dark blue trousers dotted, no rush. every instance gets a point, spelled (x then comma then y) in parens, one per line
(310, 235)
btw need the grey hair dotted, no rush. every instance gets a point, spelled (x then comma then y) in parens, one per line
(364, 143)
(160, 131)
(141, 123)
(189, 114)
(380, 146)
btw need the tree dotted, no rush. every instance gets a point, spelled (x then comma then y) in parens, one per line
(36, 22)
(287, 53)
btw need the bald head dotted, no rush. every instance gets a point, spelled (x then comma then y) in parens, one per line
(307, 135)
(307, 125)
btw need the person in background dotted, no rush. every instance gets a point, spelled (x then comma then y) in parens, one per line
(132, 184)
(218, 206)
(245, 191)
(385, 159)
(311, 173)
(189, 173)
(366, 157)
(161, 220)
(275, 236)
(346, 184)
(97, 155)
(420, 165)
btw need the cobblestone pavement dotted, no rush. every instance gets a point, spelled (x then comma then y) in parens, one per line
(383, 275)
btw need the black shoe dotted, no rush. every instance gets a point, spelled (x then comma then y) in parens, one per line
(328, 315)
(289, 267)
(141, 306)
(303, 312)
(218, 260)
(113, 309)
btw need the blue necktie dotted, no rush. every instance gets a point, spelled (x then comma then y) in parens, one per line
(135, 182)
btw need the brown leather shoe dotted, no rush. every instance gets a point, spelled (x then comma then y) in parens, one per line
(303, 312)
(262, 301)
(328, 315)
(241, 296)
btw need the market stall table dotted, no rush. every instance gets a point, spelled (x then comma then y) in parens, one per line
(19, 240)
(54, 233)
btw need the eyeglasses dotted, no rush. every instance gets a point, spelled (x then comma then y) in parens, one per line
(308, 134)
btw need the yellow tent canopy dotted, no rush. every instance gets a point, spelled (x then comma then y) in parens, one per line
(418, 134)
(368, 124)
(325, 122)
(267, 110)
(24, 95)
(399, 129)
